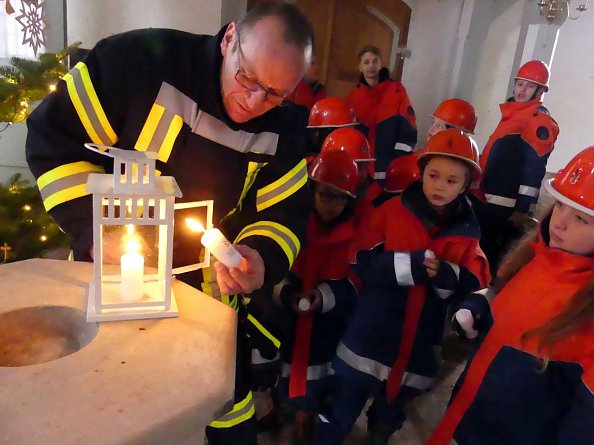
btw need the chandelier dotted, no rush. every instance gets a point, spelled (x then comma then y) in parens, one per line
(552, 8)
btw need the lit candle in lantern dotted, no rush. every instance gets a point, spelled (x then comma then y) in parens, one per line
(132, 269)
(215, 241)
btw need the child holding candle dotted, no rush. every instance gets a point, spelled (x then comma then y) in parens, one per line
(531, 380)
(319, 291)
(422, 253)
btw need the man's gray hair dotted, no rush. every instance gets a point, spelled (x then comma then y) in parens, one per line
(297, 29)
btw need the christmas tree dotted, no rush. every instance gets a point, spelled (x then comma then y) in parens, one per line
(26, 230)
(24, 82)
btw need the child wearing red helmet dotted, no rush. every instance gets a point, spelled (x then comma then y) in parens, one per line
(531, 379)
(320, 292)
(421, 254)
(514, 161)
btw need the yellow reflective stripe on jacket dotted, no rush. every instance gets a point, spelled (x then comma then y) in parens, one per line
(65, 183)
(159, 132)
(214, 291)
(252, 171)
(283, 187)
(282, 235)
(87, 105)
(275, 341)
(241, 412)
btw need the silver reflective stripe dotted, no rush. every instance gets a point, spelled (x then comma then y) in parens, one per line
(63, 184)
(328, 300)
(85, 100)
(379, 175)
(528, 191)
(205, 125)
(402, 269)
(443, 293)
(323, 418)
(314, 372)
(416, 381)
(217, 131)
(257, 358)
(363, 364)
(456, 269)
(283, 187)
(176, 102)
(500, 200)
(241, 411)
(402, 147)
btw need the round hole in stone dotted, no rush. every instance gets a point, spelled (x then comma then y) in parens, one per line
(40, 334)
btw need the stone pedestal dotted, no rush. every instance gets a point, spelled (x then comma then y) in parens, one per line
(128, 382)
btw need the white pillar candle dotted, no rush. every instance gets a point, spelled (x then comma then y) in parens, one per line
(221, 248)
(132, 271)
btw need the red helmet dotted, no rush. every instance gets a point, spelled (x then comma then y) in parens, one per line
(401, 172)
(350, 140)
(457, 113)
(336, 169)
(331, 112)
(574, 184)
(535, 71)
(453, 143)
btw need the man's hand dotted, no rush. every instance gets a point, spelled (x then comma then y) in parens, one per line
(246, 278)
(313, 297)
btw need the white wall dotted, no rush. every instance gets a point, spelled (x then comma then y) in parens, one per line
(431, 39)
(571, 95)
(91, 20)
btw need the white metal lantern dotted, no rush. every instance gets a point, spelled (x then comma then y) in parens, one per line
(132, 239)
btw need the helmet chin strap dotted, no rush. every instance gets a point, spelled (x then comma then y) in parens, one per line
(538, 92)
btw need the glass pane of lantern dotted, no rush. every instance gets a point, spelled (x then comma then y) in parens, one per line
(130, 259)
(187, 246)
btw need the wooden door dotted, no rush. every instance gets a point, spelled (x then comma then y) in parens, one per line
(343, 27)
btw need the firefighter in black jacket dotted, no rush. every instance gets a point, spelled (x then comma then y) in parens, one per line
(208, 106)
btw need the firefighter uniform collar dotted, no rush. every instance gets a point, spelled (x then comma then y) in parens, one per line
(511, 107)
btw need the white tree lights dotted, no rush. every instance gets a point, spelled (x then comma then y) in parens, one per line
(132, 239)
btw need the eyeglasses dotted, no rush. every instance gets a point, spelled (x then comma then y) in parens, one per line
(252, 84)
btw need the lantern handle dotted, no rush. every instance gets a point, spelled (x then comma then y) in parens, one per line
(104, 150)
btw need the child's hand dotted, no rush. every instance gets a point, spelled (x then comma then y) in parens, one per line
(306, 302)
(431, 263)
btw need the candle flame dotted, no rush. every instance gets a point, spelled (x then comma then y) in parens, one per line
(132, 246)
(194, 225)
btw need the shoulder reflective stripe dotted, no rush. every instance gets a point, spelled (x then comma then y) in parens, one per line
(328, 299)
(277, 232)
(159, 132)
(241, 412)
(403, 269)
(363, 364)
(217, 131)
(177, 102)
(528, 191)
(500, 200)
(379, 175)
(282, 187)
(252, 171)
(416, 381)
(65, 182)
(275, 341)
(87, 105)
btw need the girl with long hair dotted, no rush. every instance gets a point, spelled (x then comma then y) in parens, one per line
(531, 380)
